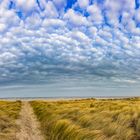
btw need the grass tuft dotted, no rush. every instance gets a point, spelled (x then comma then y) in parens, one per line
(89, 119)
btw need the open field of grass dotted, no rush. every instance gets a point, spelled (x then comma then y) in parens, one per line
(89, 119)
(9, 112)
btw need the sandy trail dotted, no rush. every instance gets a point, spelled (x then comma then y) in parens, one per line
(29, 126)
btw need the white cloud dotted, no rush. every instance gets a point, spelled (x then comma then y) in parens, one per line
(95, 14)
(81, 37)
(83, 3)
(55, 40)
(125, 81)
(114, 10)
(4, 4)
(93, 31)
(7, 56)
(137, 15)
(50, 10)
(75, 18)
(5, 23)
(53, 23)
(33, 22)
(2, 27)
(25, 5)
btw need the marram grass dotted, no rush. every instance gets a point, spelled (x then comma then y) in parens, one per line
(9, 112)
(89, 119)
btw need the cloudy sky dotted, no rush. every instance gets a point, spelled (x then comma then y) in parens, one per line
(69, 47)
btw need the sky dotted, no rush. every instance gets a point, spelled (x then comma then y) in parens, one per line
(69, 48)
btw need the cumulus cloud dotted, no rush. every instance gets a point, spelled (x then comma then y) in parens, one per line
(25, 5)
(2, 27)
(83, 4)
(54, 23)
(95, 14)
(50, 10)
(40, 40)
(76, 19)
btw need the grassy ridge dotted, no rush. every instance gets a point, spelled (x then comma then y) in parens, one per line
(89, 119)
(9, 112)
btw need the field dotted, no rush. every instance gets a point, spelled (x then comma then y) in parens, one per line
(89, 119)
(85, 119)
(9, 112)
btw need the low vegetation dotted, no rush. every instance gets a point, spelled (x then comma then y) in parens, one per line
(9, 112)
(89, 119)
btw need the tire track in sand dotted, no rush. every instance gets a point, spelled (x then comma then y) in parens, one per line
(29, 126)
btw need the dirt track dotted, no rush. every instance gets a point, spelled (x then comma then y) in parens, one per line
(29, 126)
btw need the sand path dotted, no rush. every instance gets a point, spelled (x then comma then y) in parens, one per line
(29, 126)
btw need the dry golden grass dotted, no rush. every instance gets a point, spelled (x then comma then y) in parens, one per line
(9, 112)
(89, 119)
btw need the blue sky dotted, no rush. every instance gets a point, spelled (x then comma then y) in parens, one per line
(93, 45)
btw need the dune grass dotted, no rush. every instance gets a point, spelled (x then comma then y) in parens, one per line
(89, 119)
(9, 112)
